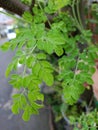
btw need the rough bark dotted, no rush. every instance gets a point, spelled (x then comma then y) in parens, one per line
(14, 6)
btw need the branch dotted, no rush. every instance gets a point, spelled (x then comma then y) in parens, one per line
(14, 6)
(32, 5)
(83, 5)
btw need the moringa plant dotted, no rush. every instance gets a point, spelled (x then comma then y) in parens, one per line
(57, 49)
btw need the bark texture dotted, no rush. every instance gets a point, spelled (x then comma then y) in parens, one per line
(14, 6)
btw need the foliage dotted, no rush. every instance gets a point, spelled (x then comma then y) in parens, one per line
(26, 1)
(88, 121)
(36, 43)
(73, 111)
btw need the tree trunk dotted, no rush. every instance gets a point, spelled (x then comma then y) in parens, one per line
(14, 6)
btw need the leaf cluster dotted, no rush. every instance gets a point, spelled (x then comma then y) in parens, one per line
(35, 43)
(88, 121)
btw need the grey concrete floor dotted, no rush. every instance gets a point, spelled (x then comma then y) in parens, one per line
(8, 121)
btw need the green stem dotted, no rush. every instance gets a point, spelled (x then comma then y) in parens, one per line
(78, 14)
(74, 15)
(24, 71)
(45, 14)
(77, 18)
(76, 68)
(32, 49)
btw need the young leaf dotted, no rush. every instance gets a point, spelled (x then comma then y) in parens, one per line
(11, 66)
(8, 70)
(47, 78)
(15, 108)
(27, 16)
(41, 56)
(5, 46)
(16, 81)
(27, 113)
(59, 50)
(35, 95)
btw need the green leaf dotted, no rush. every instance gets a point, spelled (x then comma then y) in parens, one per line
(16, 81)
(53, 6)
(31, 109)
(72, 91)
(90, 81)
(8, 70)
(36, 107)
(59, 50)
(61, 3)
(26, 81)
(87, 34)
(45, 45)
(19, 53)
(24, 37)
(31, 42)
(41, 56)
(23, 101)
(47, 65)
(20, 100)
(39, 15)
(15, 108)
(36, 68)
(34, 83)
(49, 42)
(11, 66)
(27, 113)
(22, 59)
(55, 37)
(16, 96)
(47, 77)
(30, 61)
(40, 30)
(92, 70)
(35, 95)
(5, 46)
(27, 16)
